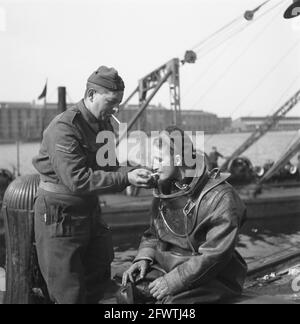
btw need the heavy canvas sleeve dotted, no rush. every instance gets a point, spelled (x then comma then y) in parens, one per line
(70, 164)
(222, 233)
(147, 248)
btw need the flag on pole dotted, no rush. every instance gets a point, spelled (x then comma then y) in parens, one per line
(44, 93)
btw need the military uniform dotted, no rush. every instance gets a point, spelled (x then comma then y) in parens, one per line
(73, 243)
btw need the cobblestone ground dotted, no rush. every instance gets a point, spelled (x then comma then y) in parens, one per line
(258, 246)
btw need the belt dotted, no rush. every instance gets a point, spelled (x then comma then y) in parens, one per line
(56, 188)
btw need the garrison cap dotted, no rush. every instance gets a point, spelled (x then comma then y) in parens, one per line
(107, 78)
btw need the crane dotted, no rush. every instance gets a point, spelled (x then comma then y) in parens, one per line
(264, 128)
(169, 72)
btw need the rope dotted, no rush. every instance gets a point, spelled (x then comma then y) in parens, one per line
(243, 101)
(216, 33)
(219, 57)
(231, 23)
(284, 94)
(203, 73)
(231, 65)
(242, 29)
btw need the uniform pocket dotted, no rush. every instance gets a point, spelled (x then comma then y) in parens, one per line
(59, 224)
(61, 219)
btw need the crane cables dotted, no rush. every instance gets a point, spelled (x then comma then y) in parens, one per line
(280, 98)
(214, 62)
(204, 47)
(275, 106)
(234, 61)
(284, 94)
(202, 74)
(266, 75)
(194, 48)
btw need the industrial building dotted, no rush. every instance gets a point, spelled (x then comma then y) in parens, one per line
(250, 124)
(26, 121)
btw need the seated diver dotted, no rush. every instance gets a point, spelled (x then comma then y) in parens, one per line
(188, 255)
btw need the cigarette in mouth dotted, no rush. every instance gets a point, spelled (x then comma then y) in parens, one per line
(154, 174)
(116, 119)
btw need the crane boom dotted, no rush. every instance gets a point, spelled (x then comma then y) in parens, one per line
(264, 128)
(155, 80)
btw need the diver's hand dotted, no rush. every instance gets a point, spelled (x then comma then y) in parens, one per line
(138, 268)
(159, 288)
(140, 178)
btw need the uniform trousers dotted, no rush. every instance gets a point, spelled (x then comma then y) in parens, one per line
(74, 247)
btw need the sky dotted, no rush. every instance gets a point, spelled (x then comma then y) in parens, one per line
(249, 69)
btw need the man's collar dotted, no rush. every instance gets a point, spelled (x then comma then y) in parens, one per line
(89, 117)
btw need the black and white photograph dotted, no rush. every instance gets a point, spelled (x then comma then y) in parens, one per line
(149, 154)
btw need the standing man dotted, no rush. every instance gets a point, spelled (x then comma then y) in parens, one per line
(74, 245)
(214, 158)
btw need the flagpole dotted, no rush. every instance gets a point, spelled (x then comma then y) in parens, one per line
(44, 110)
(43, 119)
(45, 114)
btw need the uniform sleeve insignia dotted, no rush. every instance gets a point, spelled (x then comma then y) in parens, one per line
(66, 148)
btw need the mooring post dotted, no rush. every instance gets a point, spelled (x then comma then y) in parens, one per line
(24, 282)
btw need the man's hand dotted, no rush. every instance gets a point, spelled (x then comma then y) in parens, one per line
(159, 288)
(137, 268)
(140, 178)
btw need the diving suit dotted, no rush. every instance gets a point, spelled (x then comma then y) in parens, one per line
(191, 243)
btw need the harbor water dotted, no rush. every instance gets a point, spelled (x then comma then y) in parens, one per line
(270, 146)
(258, 239)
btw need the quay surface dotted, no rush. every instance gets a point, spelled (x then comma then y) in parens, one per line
(263, 241)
